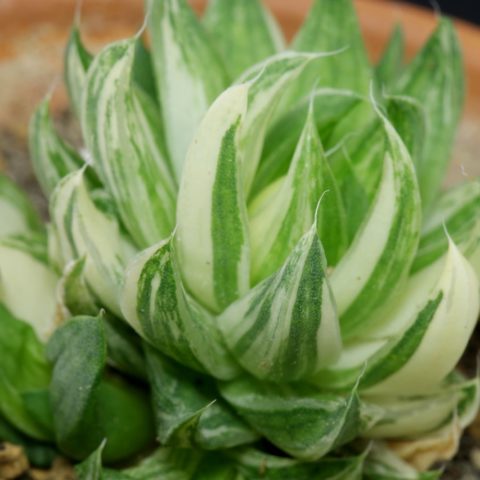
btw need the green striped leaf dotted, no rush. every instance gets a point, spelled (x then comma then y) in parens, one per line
(25, 372)
(189, 73)
(391, 64)
(155, 303)
(448, 319)
(409, 119)
(123, 131)
(299, 420)
(188, 410)
(286, 328)
(211, 234)
(164, 463)
(348, 69)
(252, 463)
(17, 213)
(253, 36)
(89, 406)
(267, 82)
(329, 106)
(81, 230)
(383, 249)
(406, 416)
(358, 150)
(285, 210)
(21, 260)
(76, 64)
(435, 78)
(383, 464)
(52, 158)
(456, 212)
(399, 353)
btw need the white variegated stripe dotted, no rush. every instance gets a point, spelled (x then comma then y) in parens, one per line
(188, 71)
(329, 106)
(456, 212)
(52, 158)
(122, 126)
(448, 332)
(156, 305)
(255, 35)
(405, 326)
(84, 231)
(421, 414)
(302, 422)
(16, 212)
(383, 249)
(462, 199)
(267, 82)
(435, 78)
(284, 210)
(77, 62)
(28, 288)
(286, 328)
(212, 175)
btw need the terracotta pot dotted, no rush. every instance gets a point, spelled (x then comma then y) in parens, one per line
(34, 34)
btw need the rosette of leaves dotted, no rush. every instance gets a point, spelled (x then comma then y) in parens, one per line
(256, 259)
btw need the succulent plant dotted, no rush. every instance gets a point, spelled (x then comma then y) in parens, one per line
(251, 260)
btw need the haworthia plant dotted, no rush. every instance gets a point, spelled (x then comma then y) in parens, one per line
(251, 270)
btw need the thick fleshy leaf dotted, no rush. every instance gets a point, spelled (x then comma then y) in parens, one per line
(383, 249)
(456, 212)
(125, 352)
(417, 363)
(399, 353)
(267, 82)
(24, 372)
(285, 210)
(329, 106)
(250, 38)
(405, 416)
(383, 464)
(348, 69)
(390, 66)
(124, 348)
(188, 410)
(435, 78)
(166, 464)
(211, 235)
(73, 291)
(189, 73)
(89, 407)
(52, 157)
(299, 420)
(358, 150)
(24, 258)
(83, 231)
(77, 62)
(17, 213)
(155, 303)
(123, 131)
(286, 328)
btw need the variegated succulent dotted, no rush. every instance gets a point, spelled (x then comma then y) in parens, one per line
(251, 260)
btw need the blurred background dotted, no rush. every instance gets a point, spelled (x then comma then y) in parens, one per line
(466, 9)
